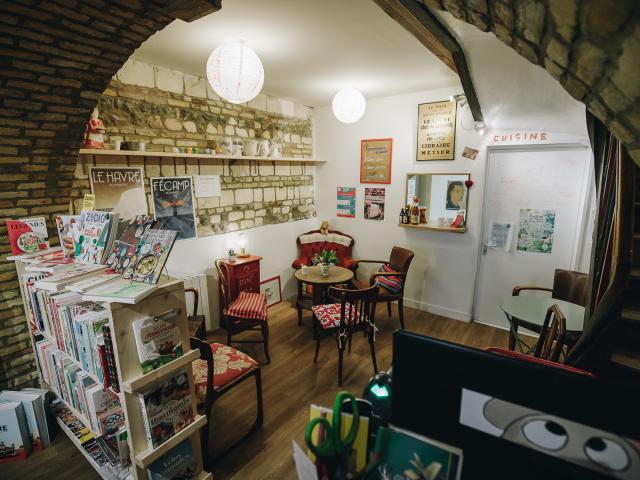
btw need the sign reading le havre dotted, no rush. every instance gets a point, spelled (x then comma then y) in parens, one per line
(436, 131)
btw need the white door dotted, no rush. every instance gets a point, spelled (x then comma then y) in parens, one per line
(541, 194)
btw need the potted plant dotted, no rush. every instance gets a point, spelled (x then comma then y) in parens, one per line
(231, 255)
(325, 259)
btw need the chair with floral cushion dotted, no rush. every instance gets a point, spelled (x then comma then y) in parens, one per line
(219, 369)
(390, 279)
(355, 312)
(247, 312)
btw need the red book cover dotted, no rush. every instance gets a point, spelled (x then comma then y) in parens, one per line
(27, 235)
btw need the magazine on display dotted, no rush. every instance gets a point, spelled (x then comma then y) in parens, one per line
(69, 231)
(124, 250)
(158, 341)
(174, 204)
(27, 235)
(154, 248)
(98, 232)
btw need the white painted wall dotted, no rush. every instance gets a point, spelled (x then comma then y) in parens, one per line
(514, 95)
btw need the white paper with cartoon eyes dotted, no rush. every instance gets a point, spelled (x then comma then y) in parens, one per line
(582, 445)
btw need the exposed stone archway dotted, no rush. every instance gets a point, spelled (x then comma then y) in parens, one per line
(57, 57)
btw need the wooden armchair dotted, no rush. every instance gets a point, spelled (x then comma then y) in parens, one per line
(552, 338)
(219, 369)
(395, 275)
(568, 285)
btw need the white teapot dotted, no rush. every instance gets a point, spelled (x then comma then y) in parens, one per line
(276, 150)
(263, 148)
(251, 148)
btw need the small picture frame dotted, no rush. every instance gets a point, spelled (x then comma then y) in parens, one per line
(272, 290)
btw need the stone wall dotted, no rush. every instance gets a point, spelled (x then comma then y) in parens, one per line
(167, 108)
(591, 47)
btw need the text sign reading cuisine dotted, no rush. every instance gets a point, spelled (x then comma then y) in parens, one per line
(436, 131)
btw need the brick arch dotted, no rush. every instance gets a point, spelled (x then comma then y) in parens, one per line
(56, 59)
(591, 47)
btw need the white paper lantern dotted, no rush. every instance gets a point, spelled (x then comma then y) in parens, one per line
(348, 105)
(235, 72)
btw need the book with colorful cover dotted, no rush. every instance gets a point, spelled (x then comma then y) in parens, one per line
(153, 252)
(119, 290)
(179, 463)
(406, 454)
(15, 442)
(69, 231)
(27, 235)
(166, 409)
(158, 342)
(32, 404)
(125, 248)
(98, 231)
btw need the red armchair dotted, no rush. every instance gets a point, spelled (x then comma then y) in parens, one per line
(314, 242)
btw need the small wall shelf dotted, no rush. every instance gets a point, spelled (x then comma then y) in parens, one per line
(424, 226)
(137, 153)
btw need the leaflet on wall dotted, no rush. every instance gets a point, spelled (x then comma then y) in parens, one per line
(374, 203)
(119, 190)
(501, 233)
(346, 202)
(207, 185)
(535, 231)
(173, 204)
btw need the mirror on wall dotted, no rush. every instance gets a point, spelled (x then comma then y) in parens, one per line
(442, 198)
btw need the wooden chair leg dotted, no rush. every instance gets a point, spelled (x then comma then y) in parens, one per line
(260, 414)
(401, 313)
(207, 458)
(299, 303)
(340, 358)
(265, 339)
(389, 308)
(372, 347)
(315, 357)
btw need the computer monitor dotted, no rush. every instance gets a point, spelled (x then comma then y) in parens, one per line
(514, 419)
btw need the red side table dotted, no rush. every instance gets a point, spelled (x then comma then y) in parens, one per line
(244, 275)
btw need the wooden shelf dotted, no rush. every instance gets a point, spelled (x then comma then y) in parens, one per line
(139, 383)
(217, 156)
(105, 472)
(424, 226)
(147, 457)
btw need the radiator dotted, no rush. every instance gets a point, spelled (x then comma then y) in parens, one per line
(199, 282)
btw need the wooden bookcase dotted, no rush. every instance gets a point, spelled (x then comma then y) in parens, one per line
(168, 297)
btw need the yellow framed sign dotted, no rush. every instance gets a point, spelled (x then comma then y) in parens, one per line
(436, 131)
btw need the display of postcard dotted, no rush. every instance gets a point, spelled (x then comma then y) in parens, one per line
(158, 341)
(120, 290)
(166, 409)
(27, 235)
(98, 230)
(374, 203)
(69, 231)
(153, 252)
(15, 442)
(119, 190)
(174, 204)
(406, 454)
(179, 463)
(123, 252)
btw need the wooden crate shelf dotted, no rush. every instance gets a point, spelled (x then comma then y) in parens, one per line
(140, 383)
(147, 457)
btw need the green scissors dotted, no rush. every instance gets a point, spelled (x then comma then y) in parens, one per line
(335, 450)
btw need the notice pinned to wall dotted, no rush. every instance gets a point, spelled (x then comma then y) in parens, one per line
(470, 153)
(89, 201)
(207, 185)
(436, 131)
(501, 233)
(536, 229)
(346, 202)
(374, 203)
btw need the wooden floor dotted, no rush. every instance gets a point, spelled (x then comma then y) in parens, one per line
(290, 383)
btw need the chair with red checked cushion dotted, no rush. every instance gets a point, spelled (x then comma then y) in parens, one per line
(247, 312)
(390, 279)
(219, 369)
(354, 312)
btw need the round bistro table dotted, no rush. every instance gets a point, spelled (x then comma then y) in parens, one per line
(528, 311)
(320, 283)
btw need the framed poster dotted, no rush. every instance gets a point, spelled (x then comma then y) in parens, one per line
(173, 204)
(270, 288)
(346, 202)
(374, 203)
(119, 190)
(375, 160)
(436, 131)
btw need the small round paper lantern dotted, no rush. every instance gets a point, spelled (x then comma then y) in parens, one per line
(235, 72)
(348, 105)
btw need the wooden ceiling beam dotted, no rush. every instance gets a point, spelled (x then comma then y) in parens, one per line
(190, 10)
(418, 20)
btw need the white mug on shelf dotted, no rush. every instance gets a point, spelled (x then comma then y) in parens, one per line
(227, 146)
(237, 149)
(251, 148)
(263, 148)
(117, 144)
(276, 150)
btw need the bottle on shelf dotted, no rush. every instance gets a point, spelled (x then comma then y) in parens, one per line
(415, 211)
(406, 216)
(401, 219)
